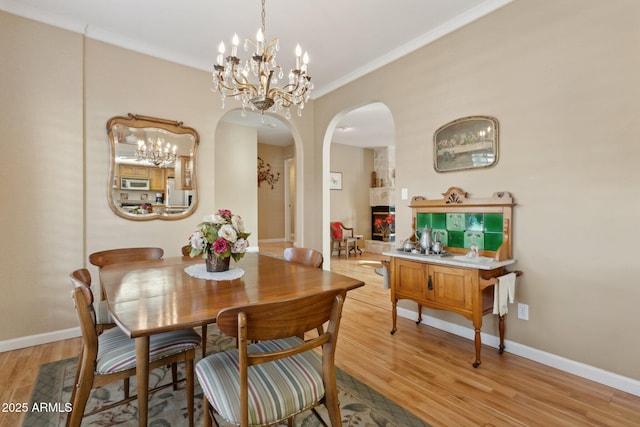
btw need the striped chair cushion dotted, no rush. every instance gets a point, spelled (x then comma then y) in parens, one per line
(277, 389)
(103, 317)
(117, 352)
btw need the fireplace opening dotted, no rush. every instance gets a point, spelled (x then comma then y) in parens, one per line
(383, 223)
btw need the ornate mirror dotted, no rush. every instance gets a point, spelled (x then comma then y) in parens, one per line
(153, 168)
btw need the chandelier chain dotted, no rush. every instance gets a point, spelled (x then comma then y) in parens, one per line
(264, 15)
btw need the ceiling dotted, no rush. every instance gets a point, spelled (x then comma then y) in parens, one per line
(345, 39)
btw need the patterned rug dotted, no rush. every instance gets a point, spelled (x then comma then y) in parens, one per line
(359, 404)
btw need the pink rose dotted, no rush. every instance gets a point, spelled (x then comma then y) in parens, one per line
(220, 246)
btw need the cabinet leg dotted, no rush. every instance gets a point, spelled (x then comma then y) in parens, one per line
(394, 316)
(478, 344)
(501, 329)
(419, 314)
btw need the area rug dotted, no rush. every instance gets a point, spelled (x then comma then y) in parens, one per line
(360, 405)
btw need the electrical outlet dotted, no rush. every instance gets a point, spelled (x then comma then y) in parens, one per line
(523, 311)
(405, 194)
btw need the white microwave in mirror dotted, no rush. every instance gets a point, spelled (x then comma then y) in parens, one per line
(134, 184)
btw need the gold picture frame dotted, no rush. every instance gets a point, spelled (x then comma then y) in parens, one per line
(466, 143)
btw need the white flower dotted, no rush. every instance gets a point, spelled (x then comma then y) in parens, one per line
(215, 218)
(238, 223)
(228, 233)
(240, 246)
(197, 240)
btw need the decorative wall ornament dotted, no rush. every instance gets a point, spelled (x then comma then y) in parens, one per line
(265, 174)
(466, 143)
(335, 180)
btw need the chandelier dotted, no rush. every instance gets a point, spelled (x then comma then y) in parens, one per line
(154, 153)
(231, 78)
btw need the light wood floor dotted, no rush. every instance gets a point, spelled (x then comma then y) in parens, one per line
(425, 370)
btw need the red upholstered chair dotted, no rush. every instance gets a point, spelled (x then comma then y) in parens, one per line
(343, 239)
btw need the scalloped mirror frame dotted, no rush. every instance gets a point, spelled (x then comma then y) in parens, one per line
(136, 121)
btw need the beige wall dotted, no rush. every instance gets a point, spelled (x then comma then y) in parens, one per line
(271, 200)
(235, 174)
(41, 169)
(351, 204)
(58, 91)
(561, 77)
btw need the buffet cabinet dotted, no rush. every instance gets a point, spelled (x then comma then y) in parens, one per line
(460, 289)
(452, 281)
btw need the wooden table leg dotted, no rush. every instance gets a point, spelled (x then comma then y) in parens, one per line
(142, 378)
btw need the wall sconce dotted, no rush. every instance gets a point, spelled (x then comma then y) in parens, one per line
(265, 174)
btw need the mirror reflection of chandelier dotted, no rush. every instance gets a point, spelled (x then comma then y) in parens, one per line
(231, 78)
(154, 153)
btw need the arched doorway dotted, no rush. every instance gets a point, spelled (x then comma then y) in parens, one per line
(278, 149)
(360, 134)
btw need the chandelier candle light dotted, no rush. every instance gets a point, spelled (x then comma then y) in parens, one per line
(230, 78)
(154, 153)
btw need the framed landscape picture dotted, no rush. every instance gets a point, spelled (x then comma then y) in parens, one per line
(335, 180)
(466, 143)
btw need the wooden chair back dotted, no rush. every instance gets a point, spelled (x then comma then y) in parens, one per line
(283, 319)
(81, 277)
(114, 256)
(87, 378)
(83, 298)
(304, 256)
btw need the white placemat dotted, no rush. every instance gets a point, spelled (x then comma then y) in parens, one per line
(199, 271)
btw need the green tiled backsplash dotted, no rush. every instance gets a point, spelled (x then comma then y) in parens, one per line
(460, 230)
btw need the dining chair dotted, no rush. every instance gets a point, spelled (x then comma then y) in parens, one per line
(114, 256)
(343, 239)
(111, 356)
(304, 256)
(280, 374)
(82, 277)
(186, 250)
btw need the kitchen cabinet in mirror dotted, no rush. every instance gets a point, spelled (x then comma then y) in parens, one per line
(153, 168)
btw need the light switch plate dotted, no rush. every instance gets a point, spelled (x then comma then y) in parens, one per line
(523, 311)
(404, 194)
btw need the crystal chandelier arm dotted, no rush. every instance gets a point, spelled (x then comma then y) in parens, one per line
(236, 86)
(265, 93)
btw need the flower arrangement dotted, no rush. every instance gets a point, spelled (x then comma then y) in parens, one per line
(144, 208)
(385, 225)
(221, 235)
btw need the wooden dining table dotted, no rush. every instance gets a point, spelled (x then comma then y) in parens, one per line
(155, 296)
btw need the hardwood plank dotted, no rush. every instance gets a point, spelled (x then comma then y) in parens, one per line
(425, 370)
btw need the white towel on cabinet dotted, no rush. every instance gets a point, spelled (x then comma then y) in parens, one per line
(505, 291)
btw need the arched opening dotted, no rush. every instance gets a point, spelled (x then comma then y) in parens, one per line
(358, 141)
(277, 152)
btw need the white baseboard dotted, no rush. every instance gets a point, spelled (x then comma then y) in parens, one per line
(278, 240)
(592, 373)
(31, 340)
